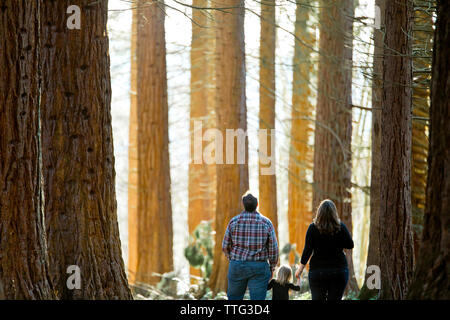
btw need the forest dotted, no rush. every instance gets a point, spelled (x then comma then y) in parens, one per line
(130, 129)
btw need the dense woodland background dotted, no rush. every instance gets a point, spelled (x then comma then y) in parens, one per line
(96, 131)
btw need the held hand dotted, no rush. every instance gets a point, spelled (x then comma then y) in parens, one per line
(299, 271)
(297, 274)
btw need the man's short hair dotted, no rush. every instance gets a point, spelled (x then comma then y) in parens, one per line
(250, 202)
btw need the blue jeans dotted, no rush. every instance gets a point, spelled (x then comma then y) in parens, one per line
(255, 275)
(328, 284)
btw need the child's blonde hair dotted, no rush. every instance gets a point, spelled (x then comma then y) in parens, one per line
(284, 274)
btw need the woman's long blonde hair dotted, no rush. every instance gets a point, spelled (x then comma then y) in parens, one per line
(284, 274)
(327, 219)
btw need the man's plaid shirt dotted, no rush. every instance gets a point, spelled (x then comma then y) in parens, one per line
(251, 237)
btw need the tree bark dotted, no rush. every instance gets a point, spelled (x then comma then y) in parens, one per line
(77, 153)
(151, 249)
(23, 256)
(201, 176)
(397, 259)
(267, 182)
(431, 280)
(301, 153)
(373, 252)
(422, 59)
(333, 131)
(231, 110)
(133, 176)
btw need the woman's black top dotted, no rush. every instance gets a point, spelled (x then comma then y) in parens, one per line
(326, 249)
(281, 291)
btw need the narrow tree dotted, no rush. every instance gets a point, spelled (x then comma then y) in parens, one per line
(150, 223)
(77, 153)
(232, 179)
(302, 128)
(201, 175)
(396, 251)
(267, 182)
(23, 256)
(373, 252)
(422, 56)
(133, 177)
(333, 131)
(431, 280)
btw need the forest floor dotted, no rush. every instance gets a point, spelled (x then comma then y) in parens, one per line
(168, 291)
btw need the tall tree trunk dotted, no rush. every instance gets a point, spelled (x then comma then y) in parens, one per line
(77, 153)
(231, 110)
(333, 131)
(373, 252)
(432, 280)
(201, 176)
(267, 182)
(302, 127)
(23, 256)
(422, 56)
(151, 249)
(396, 261)
(133, 177)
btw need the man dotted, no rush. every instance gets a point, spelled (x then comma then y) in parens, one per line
(250, 245)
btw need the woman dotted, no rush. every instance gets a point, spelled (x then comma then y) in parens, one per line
(325, 240)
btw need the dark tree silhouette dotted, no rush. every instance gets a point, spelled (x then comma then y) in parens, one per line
(432, 275)
(396, 251)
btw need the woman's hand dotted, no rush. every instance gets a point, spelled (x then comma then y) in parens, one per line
(299, 271)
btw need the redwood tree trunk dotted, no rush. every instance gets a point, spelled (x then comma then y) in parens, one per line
(373, 252)
(151, 241)
(396, 261)
(422, 59)
(201, 176)
(333, 131)
(133, 176)
(77, 153)
(231, 110)
(23, 256)
(432, 275)
(302, 127)
(267, 182)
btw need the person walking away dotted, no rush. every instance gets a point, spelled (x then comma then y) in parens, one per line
(281, 285)
(325, 240)
(251, 246)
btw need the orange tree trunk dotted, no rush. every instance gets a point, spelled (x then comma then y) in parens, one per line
(77, 153)
(373, 252)
(151, 240)
(333, 131)
(396, 260)
(302, 128)
(23, 256)
(201, 176)
(432, 274)
(231, 110)
(267, 182)
(422, 46)
(133, 155)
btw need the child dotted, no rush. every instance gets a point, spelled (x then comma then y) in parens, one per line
(280, 286)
